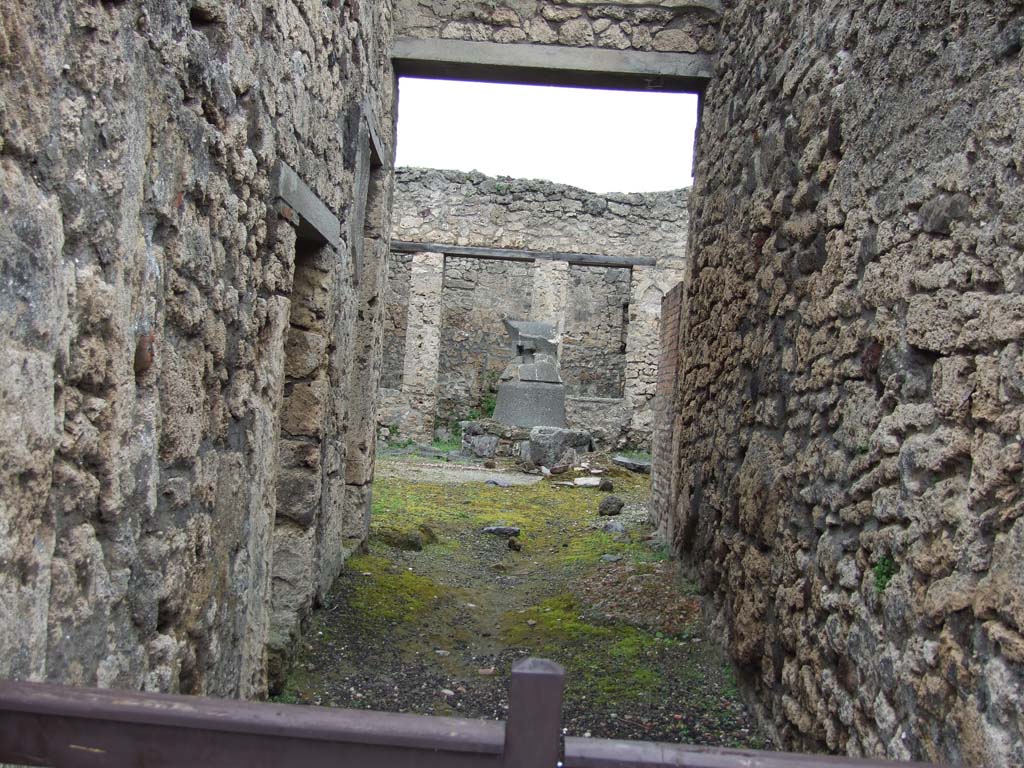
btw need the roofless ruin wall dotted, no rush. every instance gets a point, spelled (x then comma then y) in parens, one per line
(851, 372)
(685, 26)
(158, 358)
(608, 316)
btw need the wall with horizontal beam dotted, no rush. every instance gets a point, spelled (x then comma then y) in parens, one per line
(596, 266)
(668, 45)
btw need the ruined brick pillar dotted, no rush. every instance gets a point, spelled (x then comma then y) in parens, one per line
(423, 343)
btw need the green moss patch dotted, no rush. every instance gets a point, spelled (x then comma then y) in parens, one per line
(606, 663)
(432, 619)
(383, 595)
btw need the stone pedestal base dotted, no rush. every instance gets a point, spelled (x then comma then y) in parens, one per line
(530, 404)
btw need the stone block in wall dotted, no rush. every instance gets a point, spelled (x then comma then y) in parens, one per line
(298, 494)
(481, 446)
(293, 587)
(332, 550)
(358, 502)
(305, 408)
(305, 351)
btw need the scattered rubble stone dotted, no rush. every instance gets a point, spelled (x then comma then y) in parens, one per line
(643, 466)
(610, 505)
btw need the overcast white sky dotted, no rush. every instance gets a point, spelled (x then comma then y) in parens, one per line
(603, 141)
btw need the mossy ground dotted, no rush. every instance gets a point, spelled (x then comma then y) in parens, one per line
(422, 630)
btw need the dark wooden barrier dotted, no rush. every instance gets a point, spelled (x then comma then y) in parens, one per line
(54, 725)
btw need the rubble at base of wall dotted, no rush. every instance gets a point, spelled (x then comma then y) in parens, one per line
(541, 446)
(488, 439)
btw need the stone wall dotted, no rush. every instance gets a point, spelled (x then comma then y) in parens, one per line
(396, 316)
(594, 331)
(608, 316)
(678, 26)
(161, 343)
(475, 296)
(851, 377)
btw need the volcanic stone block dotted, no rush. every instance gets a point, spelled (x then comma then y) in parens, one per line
(530, 404)
(548, 444)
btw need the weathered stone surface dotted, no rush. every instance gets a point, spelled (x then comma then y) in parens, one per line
(846, 474)
(643, 466)
(138, 493)
(610, 506)
(619, 24)
(481, 446)
(548, 444)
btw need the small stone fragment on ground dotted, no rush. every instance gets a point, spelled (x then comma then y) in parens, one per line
(610, 558)
(610, 506)
(502, 530)
(500, 482)
(514, 544)
(643, 466)
(587, 482)
(606, 485)
(614, 526)
(487, 671)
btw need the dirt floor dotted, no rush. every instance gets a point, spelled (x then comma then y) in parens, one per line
(432, 618)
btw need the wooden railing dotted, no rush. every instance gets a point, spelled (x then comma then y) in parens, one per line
(54, 725)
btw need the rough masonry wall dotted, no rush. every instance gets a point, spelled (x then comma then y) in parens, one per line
(664, 409)
(593, 357)
(396, 318)
(475, 296)
(145, 310)
(851, 376)
(607, 353)
(680, 26)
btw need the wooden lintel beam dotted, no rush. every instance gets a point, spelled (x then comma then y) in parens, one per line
(534, 64)
(523, 254)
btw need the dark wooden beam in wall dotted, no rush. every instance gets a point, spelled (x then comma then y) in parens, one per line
(300, 205)
(523, 254)
(532, 64)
